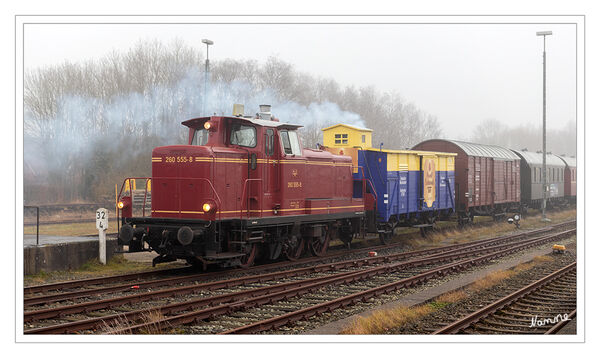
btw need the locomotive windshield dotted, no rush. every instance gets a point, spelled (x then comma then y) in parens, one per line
(200, 137)
(290, 143)
(243, 135)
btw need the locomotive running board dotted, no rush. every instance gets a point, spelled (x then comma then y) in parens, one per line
(223, 256)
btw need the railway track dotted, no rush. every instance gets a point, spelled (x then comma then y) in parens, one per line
(84, 289)
(542, 307)
(30, 291)
(201, 301)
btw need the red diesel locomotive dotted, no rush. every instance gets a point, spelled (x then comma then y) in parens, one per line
(243, 188)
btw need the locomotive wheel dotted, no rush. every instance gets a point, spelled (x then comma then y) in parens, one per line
(248, 259)
(318, 245)
(294, 248)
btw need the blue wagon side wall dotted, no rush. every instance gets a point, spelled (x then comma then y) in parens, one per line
(400, 192)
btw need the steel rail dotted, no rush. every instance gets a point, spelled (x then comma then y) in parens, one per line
(557, 327)
(493, 307)
(214, 300)
(301, 314)
(138, 275)
(91, 323)
(28, 301)
(42, 299)
(117, 301)
(116, 278)
(101, 280)
(362, 296)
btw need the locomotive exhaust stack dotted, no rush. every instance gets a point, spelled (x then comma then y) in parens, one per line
(265, 112)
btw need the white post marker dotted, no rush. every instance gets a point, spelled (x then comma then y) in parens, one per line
(102, 226)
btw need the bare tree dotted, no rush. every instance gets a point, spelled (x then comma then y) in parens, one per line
(89, 125)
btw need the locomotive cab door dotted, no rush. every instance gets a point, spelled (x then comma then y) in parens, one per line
(270, 170)
(246, 137)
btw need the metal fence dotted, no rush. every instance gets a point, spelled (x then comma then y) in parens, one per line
(37, 221)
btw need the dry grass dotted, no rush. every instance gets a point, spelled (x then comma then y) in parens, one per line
(75, 229)
(491, 280)
(118, 264)
(452, 296)
(452, 235)
(540, 259)
(381, 321)
(151, 321)
(496, 277)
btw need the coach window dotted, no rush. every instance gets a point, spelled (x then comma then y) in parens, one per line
(242, 135)
(290, 143)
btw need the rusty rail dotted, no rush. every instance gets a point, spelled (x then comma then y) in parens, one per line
(291, 317)
(474, 317)
(451, 249)
(310, 285)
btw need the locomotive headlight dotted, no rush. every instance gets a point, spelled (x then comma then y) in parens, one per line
(210, 126)
(207, 207)
(120, 205)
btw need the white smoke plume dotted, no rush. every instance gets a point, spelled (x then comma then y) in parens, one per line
(85, 132)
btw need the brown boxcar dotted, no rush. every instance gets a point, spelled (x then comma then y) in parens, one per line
(487, 177)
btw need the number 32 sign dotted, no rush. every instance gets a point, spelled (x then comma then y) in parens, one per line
(102, 219)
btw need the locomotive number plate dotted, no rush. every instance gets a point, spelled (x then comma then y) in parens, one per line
(180, 159)
(294, 184)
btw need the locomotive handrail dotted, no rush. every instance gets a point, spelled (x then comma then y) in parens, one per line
(216, 194)
(366, 180)
(244, 195)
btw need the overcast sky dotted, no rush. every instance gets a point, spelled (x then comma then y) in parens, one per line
(462, 74)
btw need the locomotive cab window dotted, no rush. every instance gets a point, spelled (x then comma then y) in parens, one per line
(269, 142)
(200, 137)
(290, 143)
(243, 135)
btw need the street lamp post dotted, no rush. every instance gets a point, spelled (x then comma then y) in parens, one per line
(206, 72)
(544, 171)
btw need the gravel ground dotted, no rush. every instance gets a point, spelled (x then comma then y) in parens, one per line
(478, 299)
(280, 307)
(317, 321)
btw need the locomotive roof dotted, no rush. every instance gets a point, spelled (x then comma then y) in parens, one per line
(260, 122)
(482, 150)
(569, 161)
(538, 158)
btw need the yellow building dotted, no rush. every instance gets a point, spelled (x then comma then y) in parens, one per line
(346, 136)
